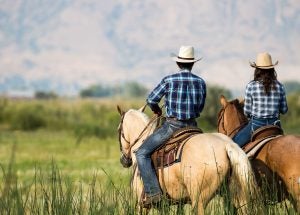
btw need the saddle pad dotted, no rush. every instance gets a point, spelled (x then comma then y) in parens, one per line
(256, 146)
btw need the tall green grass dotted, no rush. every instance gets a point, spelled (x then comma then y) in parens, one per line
(65, 178)
(55, 193)
(51, 192)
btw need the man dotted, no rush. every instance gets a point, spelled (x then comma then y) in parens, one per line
(185, 95)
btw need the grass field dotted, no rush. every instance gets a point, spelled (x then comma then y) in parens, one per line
(40, 148)
(48, 173)
(48, 170)
(50, 166)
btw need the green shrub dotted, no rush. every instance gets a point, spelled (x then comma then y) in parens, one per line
(29, 118)
(3, 106)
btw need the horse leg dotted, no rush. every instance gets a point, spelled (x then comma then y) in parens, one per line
(294, 190)
(292, 180)
(198, 207)
(201, 196)
(143, 211)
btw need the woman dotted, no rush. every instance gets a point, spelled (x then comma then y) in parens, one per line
(265, 99)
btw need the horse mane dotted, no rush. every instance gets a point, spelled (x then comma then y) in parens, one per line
(139, 114)
(238, 106)
(240, 110)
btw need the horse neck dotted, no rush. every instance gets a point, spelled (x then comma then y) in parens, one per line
(235, 120)
(136, 125)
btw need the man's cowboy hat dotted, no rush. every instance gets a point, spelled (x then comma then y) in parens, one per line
(185, 55)
(263, 61)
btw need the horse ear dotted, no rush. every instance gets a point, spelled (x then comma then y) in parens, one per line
(242, 101)
(223, 100)
(121, 112)
(142, 109)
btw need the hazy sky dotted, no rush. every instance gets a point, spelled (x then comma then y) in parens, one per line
(65, 45)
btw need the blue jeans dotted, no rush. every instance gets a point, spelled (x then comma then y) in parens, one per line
(154, 141)
(244, 135)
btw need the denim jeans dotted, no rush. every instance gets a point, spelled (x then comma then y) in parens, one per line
(154, 141)
(244, 135)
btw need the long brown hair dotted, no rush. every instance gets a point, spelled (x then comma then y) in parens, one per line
(267, 77)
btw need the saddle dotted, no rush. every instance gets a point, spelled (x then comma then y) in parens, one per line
(171, 151)
(260, 137)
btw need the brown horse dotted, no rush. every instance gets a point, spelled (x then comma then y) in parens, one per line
(207, 160)
(277, 163)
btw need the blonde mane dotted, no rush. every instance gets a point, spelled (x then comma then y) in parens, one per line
(139, 114)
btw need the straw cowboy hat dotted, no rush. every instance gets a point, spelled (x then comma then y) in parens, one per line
(263, 61)
(185, 55)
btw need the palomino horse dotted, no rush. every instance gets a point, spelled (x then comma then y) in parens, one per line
(207, 160)
(278, 161)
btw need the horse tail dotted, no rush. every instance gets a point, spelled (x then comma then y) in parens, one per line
(242, 185)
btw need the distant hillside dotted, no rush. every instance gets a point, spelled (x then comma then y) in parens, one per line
(66, 45)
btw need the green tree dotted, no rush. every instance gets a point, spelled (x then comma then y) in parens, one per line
(128, 89)
(134, 89)
(292, 87)
(291, 120)
(96, 91)
(208, 119)
(45, 95)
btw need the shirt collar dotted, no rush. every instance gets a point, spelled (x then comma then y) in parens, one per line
(184, 70)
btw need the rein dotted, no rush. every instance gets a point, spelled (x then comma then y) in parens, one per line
(121, 134)
(233, 132)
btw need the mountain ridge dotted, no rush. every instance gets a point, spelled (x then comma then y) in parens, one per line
(68, 45)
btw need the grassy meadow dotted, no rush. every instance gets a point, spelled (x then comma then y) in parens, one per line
(62, 157)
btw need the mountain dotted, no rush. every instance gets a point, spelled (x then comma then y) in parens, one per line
(66, 45)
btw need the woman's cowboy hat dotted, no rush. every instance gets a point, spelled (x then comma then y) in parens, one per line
(263, 61)
(185, 55)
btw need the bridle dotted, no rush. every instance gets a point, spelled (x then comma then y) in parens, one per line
(126, 159)
(242, 120)
(121, 133)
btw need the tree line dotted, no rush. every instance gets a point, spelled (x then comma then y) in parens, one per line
(128, 89)
(134, 89)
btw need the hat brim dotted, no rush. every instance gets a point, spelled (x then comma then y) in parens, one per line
(253, 64)
(177, 59)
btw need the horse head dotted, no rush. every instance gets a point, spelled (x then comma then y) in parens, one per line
(130, 132)
(231, 117)
(125, 159)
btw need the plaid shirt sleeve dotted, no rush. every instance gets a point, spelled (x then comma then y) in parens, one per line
(248, 101)
(283, 108)
(204, 96)
(156, 94)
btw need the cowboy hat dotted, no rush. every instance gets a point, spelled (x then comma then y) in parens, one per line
(185, 55)
(263, 61)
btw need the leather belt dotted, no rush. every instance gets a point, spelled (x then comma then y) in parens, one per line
(181, 120)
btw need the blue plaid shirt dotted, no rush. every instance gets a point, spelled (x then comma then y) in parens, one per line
(260, 105)
(184, 93)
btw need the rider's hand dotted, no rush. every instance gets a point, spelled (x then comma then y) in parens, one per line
(158, 112)
(156, 109)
